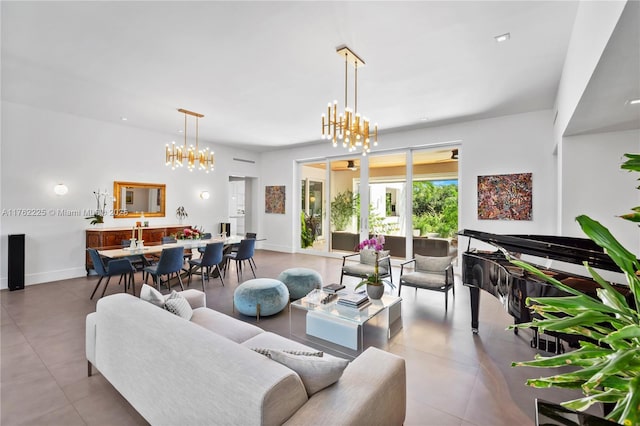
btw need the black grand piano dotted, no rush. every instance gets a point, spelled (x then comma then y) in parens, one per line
(492, 272)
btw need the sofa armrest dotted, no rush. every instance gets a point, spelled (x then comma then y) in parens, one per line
(90, 338)
(371, 391)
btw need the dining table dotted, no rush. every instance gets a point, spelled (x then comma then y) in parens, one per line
(155, 249)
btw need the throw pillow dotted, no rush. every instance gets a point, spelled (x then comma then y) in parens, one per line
(151, 295)
(266, 353)
(316, 373)
(178, 305)
(432, 264)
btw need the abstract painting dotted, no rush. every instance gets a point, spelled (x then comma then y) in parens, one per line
(274, 197)
(505, 197)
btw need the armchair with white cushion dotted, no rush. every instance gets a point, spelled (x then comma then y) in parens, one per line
(364, 265)
(429, 273)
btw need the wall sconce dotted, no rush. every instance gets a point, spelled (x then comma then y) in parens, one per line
(204, 195)
(60, 189)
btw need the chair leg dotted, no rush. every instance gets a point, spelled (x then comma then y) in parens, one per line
(446, 300)
(251, 266)
(220, 275)
(96, 287)
(238, 264)
(190, 272)
(89, 372)
(341, 276)
(202, 275)
(180, 280)
(133, 283)
(105, 286)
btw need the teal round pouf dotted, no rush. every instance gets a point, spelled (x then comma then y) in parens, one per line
(300, 281)
(272, 295)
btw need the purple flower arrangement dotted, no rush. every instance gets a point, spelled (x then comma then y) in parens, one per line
(376, 243)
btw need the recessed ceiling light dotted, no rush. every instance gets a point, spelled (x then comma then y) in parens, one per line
(424, 118)
(502, 37)
(180, 131)
(634, 101)
(123, 118)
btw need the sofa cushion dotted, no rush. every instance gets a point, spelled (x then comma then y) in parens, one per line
(151, 295)
(316, 372)
(368, 256)
(178, 305)
(432, 264)
(224, 325)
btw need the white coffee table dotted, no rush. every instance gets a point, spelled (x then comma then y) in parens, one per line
(343, 325)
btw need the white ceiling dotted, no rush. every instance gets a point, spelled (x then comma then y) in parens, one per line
(262, 72)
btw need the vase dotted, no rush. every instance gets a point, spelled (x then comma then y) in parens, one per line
(375, 292)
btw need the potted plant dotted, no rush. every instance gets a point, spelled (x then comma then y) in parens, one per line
(607, 371)
(101, 207)
(342, 210)
(181, 214)
(375, 285)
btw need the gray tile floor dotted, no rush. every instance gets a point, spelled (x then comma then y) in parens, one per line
(453, 377)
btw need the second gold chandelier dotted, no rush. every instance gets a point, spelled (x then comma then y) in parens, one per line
(175, 155)
(353, 130)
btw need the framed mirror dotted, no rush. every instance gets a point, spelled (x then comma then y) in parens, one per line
(131, 199)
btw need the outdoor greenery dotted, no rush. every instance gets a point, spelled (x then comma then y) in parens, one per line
(309, 225)
(342, 210)
(608, 361)
(435, 208)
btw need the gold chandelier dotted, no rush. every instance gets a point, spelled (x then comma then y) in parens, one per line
(176, 156)
(349, 127)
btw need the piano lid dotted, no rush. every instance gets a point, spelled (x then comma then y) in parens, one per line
(565, 249)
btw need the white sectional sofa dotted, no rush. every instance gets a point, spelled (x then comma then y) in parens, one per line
(204, 372)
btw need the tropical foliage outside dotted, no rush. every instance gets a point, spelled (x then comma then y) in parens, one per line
(435, 208)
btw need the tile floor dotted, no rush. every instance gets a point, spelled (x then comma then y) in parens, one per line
(453, 377)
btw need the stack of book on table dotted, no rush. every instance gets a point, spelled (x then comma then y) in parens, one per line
(354, 300)
(332, 288)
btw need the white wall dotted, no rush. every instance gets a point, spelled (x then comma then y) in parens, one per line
(510, 144)
(41, 148)
(592, 29)
(593, 184)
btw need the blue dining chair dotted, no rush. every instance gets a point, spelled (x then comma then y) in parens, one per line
(211, 258)
(244, 253)
(187, 253)
(121, 267)
(205, 236)
(171, 261)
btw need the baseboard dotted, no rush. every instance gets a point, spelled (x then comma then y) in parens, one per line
(273, 247)
(45, 277)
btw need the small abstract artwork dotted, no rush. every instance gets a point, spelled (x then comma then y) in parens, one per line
(129, 197)
(274, 197)
(505, 197)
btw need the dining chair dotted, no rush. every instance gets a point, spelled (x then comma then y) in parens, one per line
(249, 236)
(211, 258)
(429, 273)
(171, 261)
(122, 267)
(205, 236)
(244, 253)
(188, 254)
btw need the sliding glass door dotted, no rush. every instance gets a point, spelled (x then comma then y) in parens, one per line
(402, 195)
